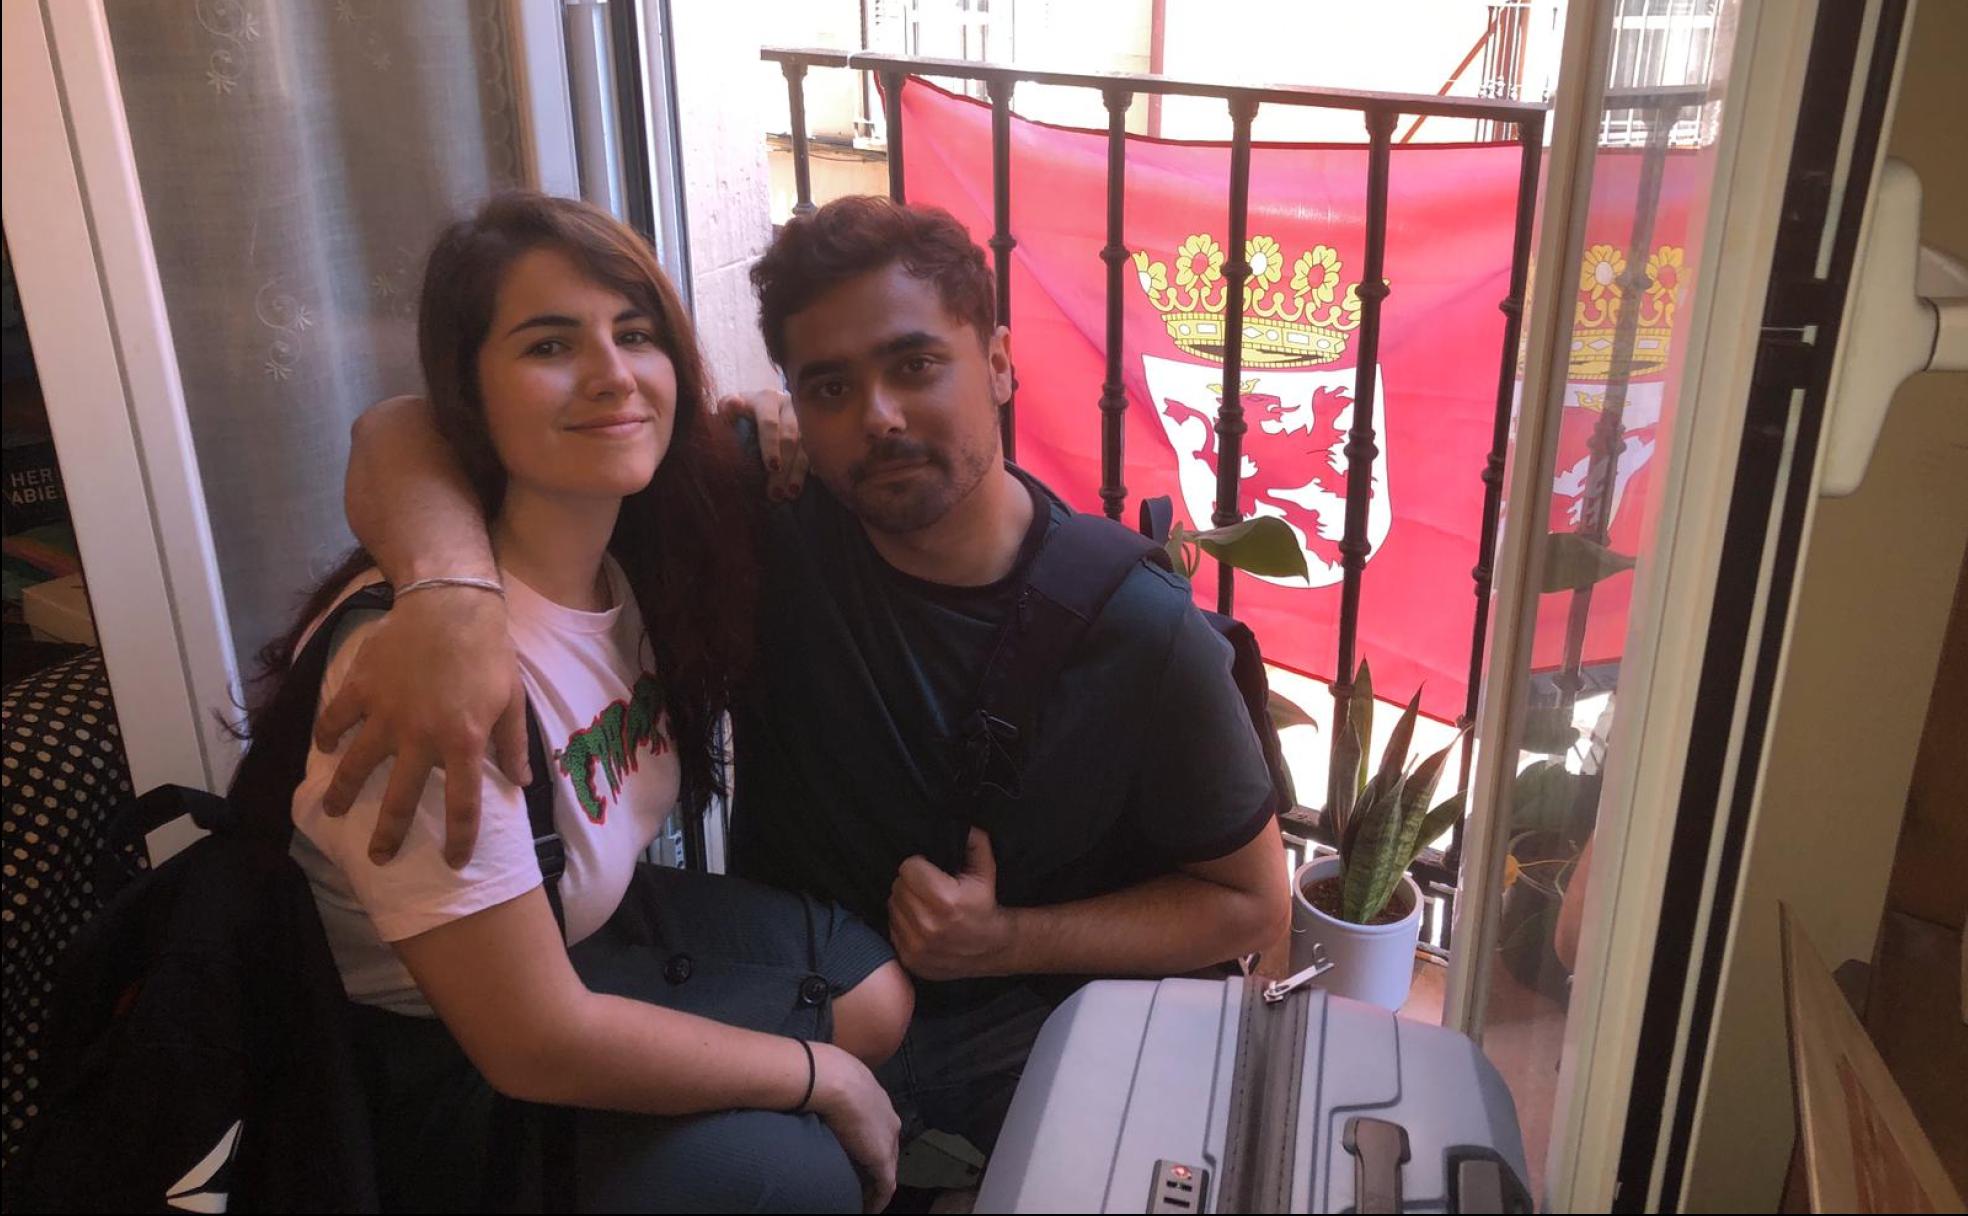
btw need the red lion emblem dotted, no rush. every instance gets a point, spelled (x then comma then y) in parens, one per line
(1294, 459)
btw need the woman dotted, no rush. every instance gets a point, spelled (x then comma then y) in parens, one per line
(564, 374)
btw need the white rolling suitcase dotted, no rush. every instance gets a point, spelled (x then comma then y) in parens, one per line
(1194, 1096)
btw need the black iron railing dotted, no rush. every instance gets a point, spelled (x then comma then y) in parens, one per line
(1380, 113)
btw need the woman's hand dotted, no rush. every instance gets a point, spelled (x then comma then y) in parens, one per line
(433, 686)
(856, 1109)
(778, 436)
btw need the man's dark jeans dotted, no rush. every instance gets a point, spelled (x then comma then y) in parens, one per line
(958, 1068)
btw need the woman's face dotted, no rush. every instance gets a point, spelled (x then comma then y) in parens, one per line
(579, 397)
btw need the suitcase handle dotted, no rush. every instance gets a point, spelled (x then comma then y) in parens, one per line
(1379, 1149)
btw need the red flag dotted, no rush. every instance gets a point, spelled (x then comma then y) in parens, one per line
(1450, 225)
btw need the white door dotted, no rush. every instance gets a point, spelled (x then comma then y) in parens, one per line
(1676, 383)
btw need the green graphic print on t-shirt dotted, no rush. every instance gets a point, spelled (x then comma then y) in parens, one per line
(612, 743)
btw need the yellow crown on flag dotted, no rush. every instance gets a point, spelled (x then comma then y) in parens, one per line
(1605, 285)
(1307, 321)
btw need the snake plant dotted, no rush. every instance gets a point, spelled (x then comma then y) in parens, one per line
(1379, 816)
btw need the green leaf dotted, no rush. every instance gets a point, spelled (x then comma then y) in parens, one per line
(1542, 796)
(1263, 544)
(1453, 804)
(1373, 855)
(1285, 712)
(1583, 813)
(1340, 791)
(1369, 797)
(1415, 793)
(1395, 759)
(1436, 822)
(1573, 563)
(1387, 875)
(1178, 560)
(1359, 711)
(1182, 551)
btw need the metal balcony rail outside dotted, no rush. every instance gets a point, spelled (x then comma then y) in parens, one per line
(1380, 112)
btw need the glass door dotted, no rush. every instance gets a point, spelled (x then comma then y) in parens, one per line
(1640, 618)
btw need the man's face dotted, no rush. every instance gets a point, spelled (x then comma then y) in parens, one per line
(897, 398)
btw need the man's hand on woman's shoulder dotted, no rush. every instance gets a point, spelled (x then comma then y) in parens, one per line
(434, 685)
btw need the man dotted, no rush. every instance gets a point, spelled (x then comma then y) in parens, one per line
(1140, 841)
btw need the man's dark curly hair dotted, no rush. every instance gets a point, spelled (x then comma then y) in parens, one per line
(861, 233)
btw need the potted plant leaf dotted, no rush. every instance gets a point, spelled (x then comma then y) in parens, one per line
(1551, 811)
(1358, 906)
(1551, 814)
(1262, 544)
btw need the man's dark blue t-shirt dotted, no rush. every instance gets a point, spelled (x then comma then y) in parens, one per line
(1144, 758)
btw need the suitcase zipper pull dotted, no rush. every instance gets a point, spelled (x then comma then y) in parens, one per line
(1280, 989)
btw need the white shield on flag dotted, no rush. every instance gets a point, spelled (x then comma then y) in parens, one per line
(1637, 438)
(1294, 454)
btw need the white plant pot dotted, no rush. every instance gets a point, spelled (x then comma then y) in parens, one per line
(1371, 963)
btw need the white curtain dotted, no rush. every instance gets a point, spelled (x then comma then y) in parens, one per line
(296, 158)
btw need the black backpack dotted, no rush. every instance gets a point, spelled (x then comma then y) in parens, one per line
(199, 1056)
(200, 1050)
(1078, 569)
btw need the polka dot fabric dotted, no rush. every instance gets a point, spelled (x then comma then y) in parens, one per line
(62, 777)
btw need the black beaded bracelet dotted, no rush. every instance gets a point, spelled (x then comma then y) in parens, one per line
(799, 1108)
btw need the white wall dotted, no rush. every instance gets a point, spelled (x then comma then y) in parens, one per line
(833, 96)
(718, 84)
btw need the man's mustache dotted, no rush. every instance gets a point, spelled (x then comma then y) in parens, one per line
(892, 450)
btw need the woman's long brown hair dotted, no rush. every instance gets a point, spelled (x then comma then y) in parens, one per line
(686, 541)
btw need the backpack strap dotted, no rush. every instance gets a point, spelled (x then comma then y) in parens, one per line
(310, 666)
(1075, 572)
(547, 844)
(1157, 518)
(260, 797)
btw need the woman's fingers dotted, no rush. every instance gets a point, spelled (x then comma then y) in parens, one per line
(796, 473)
(877, 1191)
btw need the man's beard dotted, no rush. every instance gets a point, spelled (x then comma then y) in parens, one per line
(923, 497)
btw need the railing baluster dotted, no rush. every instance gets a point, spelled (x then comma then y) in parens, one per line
(1230, 425)
(795, 71)
(892, 131)
(1530, 140)
(1608, 434)
(1002, 241)
(1113, 394)
(1360, 446)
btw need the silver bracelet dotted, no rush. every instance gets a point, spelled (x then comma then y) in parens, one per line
(452, 580)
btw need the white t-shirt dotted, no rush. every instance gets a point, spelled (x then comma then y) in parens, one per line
(615, 774)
